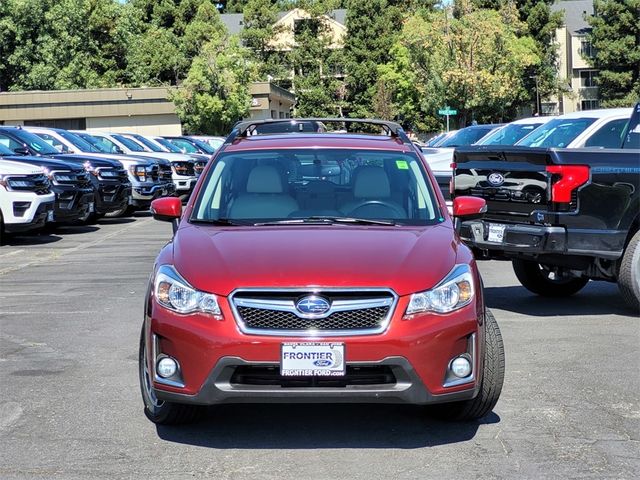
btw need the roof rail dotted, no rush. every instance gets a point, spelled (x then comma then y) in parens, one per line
(245, 128)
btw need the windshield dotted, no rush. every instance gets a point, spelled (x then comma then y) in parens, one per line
(184, 145)
(509, 134)
(558, 133)
(466, 136)
(282, 185)
(147, 143)
(78, 141)
(204, 146)
(5, 150)
(100, 144)
(168, 145)
(127, 142)
(32, 141)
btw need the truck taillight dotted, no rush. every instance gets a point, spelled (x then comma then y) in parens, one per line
(566, 178)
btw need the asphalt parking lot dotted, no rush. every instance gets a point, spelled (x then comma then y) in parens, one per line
(70, 407)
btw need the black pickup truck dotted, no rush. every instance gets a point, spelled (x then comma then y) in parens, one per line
(562, 216)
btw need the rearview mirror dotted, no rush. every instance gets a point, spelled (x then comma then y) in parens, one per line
(21, 151)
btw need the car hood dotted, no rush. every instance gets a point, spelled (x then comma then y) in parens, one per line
(220, 260)
(50, 163)
(81, 158)
(171, 157)
(15, 167)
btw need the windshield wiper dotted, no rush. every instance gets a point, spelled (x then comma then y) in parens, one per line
(328, 220)
(220, 221)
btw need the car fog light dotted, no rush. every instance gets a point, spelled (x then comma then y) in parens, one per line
(461, 367)
(167, 367)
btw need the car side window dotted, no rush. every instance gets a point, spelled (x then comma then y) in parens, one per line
(54, 142)
(609, 135)
(9, 142)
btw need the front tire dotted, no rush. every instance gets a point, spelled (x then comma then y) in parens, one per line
(629, 275)
(491, 383)
(158, 411)
(537, 279)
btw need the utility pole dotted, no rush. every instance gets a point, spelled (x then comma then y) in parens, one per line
(535, 77)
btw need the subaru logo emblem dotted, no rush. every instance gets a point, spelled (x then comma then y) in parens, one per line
(495, 179)
(313, 305)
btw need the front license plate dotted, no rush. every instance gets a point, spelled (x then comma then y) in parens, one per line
(92, 207)
(496, 232)
(130, 202)
(50, 216)
(312, 359)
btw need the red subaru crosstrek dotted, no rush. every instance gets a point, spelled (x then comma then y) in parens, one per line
(317, 267)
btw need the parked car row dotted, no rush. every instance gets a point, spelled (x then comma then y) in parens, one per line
(591, 128)
(61, 176)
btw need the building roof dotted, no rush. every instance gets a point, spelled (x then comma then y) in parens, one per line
(575, 12)
(235, 21)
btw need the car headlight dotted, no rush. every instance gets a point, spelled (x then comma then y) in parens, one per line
(173, 292)
(139, 172)
(454, 292)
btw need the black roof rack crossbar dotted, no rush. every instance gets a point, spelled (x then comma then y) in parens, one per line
(244, 128)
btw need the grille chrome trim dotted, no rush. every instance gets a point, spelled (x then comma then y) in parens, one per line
(288, 306)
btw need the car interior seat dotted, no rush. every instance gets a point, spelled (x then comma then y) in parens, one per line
(264, 197)
(372, 196)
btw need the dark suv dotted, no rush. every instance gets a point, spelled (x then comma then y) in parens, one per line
(317, 267)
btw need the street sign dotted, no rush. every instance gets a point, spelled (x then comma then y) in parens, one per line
(447, 111)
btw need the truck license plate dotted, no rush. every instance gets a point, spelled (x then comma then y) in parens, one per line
(92, 207)
(312, 359)
(50, 216)
(496, 232)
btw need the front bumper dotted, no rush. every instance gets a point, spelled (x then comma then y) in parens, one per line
(35, 217)
(184, 184)
(143, 194)
(417, 351)
(531, 240)
(111, 196)
(72, 204)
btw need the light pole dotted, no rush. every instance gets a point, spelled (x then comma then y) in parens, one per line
(535, 77)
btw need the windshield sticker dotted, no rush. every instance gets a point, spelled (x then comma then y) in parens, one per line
(402, 165)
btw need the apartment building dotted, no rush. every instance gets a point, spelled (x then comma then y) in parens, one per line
(574, 50)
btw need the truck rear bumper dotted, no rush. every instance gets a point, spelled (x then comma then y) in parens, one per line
(518, 239)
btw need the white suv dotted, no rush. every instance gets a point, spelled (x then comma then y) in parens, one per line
(26, 202)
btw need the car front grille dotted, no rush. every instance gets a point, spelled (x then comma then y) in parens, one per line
(355, 375)
(164, 173)
(349, 313)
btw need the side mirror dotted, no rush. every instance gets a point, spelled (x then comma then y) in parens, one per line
(21, 151)
(469, 208)
(167, 209)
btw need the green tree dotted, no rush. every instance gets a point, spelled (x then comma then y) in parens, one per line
(259, 30)
(313, 63)
(368, 45)
(616, 37)
(474, 63)
(541, 24)
(47, 44)
(215, 93)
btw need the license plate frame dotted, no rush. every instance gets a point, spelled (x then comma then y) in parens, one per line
(312, 359)
(495, 232)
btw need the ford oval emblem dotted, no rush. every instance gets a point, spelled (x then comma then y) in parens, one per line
(313, 305)
(323, 363)
(495, 179)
